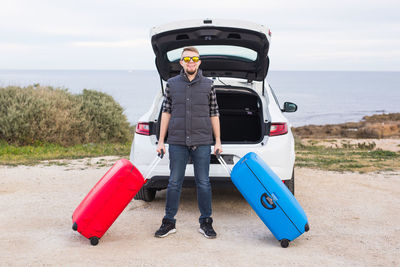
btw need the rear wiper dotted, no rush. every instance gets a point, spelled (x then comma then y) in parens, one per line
(222, 81)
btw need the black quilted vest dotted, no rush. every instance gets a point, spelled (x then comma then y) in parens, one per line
(190, 122)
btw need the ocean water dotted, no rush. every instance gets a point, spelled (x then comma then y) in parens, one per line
(323, 97)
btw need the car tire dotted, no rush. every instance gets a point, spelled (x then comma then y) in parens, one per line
(290, 183)
(145, 194)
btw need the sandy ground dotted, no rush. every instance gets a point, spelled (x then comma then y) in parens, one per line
(354, 220)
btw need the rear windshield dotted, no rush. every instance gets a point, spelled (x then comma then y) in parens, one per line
(236, 52)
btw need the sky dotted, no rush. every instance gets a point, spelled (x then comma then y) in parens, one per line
(352, 35)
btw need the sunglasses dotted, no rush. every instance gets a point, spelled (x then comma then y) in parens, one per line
(187, 59)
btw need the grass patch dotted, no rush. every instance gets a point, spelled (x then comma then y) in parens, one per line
(311, 155)
(359, 157)
(34, 154)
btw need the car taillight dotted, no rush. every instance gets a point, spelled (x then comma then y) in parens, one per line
(278, 128)
(143, 128)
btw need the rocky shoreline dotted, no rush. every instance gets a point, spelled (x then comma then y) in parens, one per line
(374, 127)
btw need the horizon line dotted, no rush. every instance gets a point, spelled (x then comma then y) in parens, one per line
(153, 70)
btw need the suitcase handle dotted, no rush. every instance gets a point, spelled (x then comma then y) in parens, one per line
(154, 164)
(223, 163)
(161, 155)
(269, 200)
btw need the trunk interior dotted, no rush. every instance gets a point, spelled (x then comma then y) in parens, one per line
(241, 116)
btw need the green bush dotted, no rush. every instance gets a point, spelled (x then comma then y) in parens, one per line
(36, 114)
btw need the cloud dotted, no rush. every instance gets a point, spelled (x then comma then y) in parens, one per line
(128, 43)
(310, 34)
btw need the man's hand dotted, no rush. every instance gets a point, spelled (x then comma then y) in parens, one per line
(160, 147)
(217, 147)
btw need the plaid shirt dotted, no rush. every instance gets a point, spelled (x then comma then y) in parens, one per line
(167, 104)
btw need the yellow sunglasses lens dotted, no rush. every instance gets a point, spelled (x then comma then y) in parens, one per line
(187, 59)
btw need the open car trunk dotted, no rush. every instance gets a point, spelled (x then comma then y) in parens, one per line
(241, 115)
(227, 48)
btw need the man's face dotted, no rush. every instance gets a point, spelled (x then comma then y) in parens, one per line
(190, 67)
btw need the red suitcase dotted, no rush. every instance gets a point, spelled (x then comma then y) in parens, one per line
(107, 199)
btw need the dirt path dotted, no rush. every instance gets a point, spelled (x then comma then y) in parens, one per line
(354, 220)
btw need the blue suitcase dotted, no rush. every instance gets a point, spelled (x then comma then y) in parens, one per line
(269, 197)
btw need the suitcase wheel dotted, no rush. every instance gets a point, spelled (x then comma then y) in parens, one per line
(307, 227)
(94, 240)
(284, 243)
(75, 226)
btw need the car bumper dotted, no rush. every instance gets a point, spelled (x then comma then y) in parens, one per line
(278, 153)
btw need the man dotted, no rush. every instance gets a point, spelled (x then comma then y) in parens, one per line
(190, 114)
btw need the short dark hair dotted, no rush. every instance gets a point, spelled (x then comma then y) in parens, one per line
(190, 48)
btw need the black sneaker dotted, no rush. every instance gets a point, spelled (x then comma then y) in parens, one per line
(206, 228)
(167, 227)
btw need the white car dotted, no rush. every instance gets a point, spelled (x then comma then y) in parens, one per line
(234, 55)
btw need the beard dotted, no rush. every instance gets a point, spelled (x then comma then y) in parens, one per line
(191, 72)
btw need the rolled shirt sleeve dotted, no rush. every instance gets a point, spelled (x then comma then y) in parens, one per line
(167, 103)
(214, 111)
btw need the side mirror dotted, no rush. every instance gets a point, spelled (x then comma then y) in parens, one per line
(289, 107)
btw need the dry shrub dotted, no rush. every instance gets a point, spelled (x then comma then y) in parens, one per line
(37, 114)
(379, 130)
(369, 132)
(103, 118)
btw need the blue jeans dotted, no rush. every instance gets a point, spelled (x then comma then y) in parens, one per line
(178, 157)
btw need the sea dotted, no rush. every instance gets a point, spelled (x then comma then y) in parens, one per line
(322, 97)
